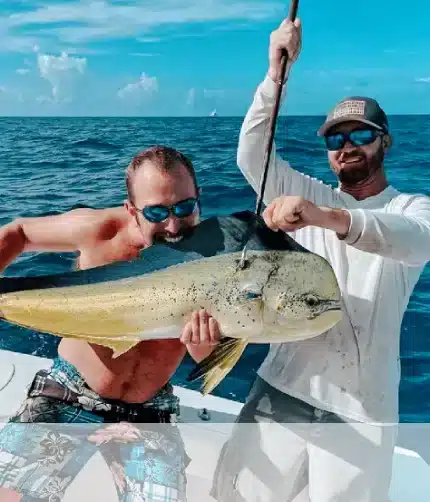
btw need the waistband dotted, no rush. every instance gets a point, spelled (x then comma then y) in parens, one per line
(63, 382)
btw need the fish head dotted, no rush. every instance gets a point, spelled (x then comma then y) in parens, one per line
(301, 297)
(237, 298)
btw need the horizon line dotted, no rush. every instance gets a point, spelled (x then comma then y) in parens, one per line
(187, 116)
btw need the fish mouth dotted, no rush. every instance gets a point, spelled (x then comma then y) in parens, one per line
(327, 306)
(331, 305)
(281, 329)
(329, 310)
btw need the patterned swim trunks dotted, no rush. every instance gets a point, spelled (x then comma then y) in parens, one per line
(62, 423)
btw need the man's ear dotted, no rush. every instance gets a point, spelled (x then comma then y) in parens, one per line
(387, 141)
(129, 207)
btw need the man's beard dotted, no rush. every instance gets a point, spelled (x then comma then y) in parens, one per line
(360, 173)
(170, 238)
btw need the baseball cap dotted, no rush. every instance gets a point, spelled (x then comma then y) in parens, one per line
(357, 108)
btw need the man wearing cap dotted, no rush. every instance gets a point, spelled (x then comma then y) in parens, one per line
(320, 421)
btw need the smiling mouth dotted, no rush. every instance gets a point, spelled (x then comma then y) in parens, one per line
(173, 239)
(170, 239)
(355, 160)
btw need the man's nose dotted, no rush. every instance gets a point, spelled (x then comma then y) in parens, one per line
(348, 146)
(172, 225)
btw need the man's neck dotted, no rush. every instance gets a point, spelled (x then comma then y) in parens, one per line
(132, 236)
(368, 188)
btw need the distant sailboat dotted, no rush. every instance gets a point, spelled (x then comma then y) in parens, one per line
(213, 113)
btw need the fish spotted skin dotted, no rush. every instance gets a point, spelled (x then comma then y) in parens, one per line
(284, 293)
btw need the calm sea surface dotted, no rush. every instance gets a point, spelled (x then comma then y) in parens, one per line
(51, 165)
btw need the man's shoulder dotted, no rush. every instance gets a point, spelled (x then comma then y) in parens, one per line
(104, 223)
(403, 200)
(102, 214)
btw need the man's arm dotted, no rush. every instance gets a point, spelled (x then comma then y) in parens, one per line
(67, 232)
(281, 179)
(403, 237)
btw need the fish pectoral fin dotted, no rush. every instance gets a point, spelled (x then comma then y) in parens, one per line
(218, 364)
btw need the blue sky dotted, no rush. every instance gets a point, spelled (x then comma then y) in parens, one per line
(184, 57)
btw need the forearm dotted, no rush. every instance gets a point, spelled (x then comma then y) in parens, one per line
(12, 243)
(401, 237)
(253, 142)
(282, 179)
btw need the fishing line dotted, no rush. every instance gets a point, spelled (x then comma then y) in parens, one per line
(272, 128)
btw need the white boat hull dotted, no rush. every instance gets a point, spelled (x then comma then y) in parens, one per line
(203, 441)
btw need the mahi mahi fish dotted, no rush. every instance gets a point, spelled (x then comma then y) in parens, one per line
(282, 293)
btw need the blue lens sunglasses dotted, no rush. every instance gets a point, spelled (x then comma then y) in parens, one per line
(159, 212)
(359, 137)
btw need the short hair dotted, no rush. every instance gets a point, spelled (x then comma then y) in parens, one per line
(164, 158)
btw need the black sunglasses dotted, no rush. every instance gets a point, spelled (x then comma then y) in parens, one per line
(359, 137)
(159, 212)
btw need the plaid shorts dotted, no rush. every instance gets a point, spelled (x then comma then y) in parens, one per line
(45, 445)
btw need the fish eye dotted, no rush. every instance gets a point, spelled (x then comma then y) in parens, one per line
(250, 295)
(311, 300)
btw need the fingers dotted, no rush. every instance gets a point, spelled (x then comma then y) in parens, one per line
(202, 329)
(297, 23)
(278, 214)
(187, 333)
(122, 432)
(268, 216)
(214, 331)
(289, 37)
(284, 214)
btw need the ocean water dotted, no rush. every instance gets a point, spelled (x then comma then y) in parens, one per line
(51, 165)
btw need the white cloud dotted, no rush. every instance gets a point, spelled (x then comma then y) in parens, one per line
(191, 96)
(424, 80)
(13, 43)
(22, 71)
(101, 20)
(213, 93)
(144, 54)
(148, 40)
(204, 100)
(9, 92)
(399, 52)
(61, 72)
(145, 86)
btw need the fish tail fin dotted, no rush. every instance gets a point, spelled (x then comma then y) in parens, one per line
(218, 364)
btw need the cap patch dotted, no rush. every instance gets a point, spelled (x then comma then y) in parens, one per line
(349, 108)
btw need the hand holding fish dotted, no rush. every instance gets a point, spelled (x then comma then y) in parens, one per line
(287, 37)
(201, 329)
(291, 213)
(201, 334)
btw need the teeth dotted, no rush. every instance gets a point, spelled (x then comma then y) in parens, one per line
(351, 161)
(173, 240)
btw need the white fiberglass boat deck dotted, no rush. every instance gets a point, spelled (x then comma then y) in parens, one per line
(203, 441)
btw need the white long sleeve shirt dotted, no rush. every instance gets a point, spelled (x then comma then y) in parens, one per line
(354, 368)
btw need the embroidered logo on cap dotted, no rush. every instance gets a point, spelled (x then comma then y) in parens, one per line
(349, 108)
